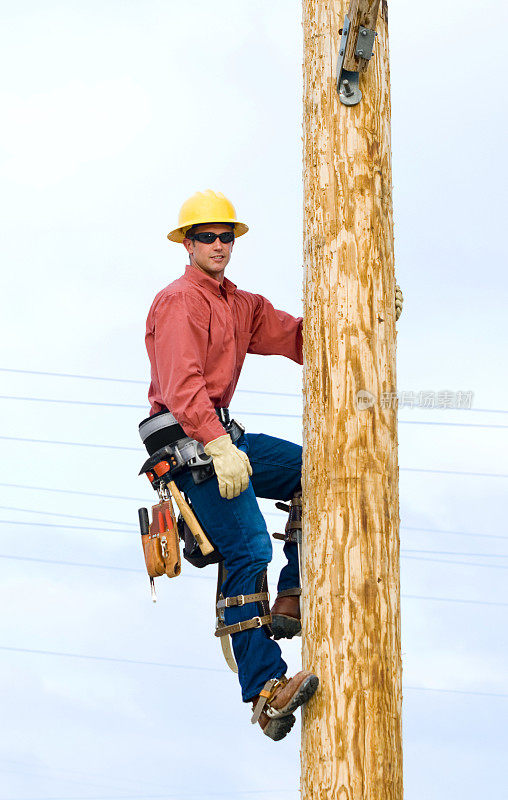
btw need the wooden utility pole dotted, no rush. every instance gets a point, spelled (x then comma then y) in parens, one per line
(351, 739)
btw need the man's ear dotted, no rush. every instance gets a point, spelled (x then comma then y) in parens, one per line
(189, 245)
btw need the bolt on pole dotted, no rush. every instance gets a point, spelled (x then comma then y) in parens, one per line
(351, 730)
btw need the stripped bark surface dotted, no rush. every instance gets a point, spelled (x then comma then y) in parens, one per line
(351, 735)
(360, 12)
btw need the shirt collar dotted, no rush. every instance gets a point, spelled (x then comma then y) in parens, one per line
(195, 275)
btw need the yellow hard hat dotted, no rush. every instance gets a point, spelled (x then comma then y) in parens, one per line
(205, 207)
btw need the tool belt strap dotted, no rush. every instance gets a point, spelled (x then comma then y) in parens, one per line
(242, 599)
(265, 695)
(255, 622)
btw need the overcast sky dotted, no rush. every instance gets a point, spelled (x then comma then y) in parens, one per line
(113, 114)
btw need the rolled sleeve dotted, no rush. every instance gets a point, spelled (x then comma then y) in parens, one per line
(275, 332)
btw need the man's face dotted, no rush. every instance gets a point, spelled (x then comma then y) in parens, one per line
(210, 258)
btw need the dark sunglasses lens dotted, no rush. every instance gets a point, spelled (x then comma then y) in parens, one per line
(207, 237)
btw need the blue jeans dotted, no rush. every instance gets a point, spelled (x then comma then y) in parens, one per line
(238, 529)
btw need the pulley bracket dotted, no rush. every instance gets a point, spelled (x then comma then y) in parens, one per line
(365, 43)
(348, 81)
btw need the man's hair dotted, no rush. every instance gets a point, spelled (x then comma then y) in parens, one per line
(188, 233)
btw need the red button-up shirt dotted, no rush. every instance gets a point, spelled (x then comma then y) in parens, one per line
(198, 333)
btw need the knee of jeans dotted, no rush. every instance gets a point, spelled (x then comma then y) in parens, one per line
(260, 553)
(253, 559)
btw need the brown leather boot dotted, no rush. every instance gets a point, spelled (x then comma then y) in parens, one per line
(274, 706)
(286, 620)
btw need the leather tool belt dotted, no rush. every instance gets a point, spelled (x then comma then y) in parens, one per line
(164, 438)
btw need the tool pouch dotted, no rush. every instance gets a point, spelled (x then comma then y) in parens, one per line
(191, 550)
(161, 544)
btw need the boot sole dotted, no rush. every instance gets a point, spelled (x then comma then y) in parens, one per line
(277, 729)
(302, 694)
(284, 627)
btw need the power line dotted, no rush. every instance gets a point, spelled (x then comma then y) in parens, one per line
(463, 563)
(414, 529)
(133, 530)
(60, 514)
(71, 375)
(239, 413)
(74, 491)
(139, 450)
(453, 600)
(244, 391)
(127, 380)
(116, 568)
(454, 691)
(111, 659)
(76, 776)
(278, 514)
(455, 472)
(264, 512)
(455, 553)
(76, 564)
(450, 424)
(107, 567)
(67, 527)
(71, 444)
(73, 402)
(166, 796)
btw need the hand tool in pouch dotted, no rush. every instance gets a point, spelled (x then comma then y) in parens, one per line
(161, 543)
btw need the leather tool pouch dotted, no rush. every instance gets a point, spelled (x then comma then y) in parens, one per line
(161, 545)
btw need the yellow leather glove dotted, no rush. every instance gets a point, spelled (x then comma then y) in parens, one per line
(232, 466)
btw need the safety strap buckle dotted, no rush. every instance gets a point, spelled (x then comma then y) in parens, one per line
(244, 625)
(265, 696)
(242, 600)
(239, 600)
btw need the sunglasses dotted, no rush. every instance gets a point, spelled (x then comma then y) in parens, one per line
(207, 237)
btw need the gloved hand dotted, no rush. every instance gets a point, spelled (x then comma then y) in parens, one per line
(399, 300)
(232, 466)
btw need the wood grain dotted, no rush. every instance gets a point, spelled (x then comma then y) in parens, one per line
(351, 734)
(360, 12)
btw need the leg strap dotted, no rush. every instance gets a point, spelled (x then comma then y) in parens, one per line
(255, 622)
(225, 641)
(293, 530)
(266, 694)
(290, 592)
(242, 599)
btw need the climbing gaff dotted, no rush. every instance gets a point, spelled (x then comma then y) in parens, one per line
(293, 529)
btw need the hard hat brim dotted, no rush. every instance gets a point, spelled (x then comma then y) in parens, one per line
(178, 234)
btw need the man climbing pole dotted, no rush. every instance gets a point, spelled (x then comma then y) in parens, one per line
(199, 330)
